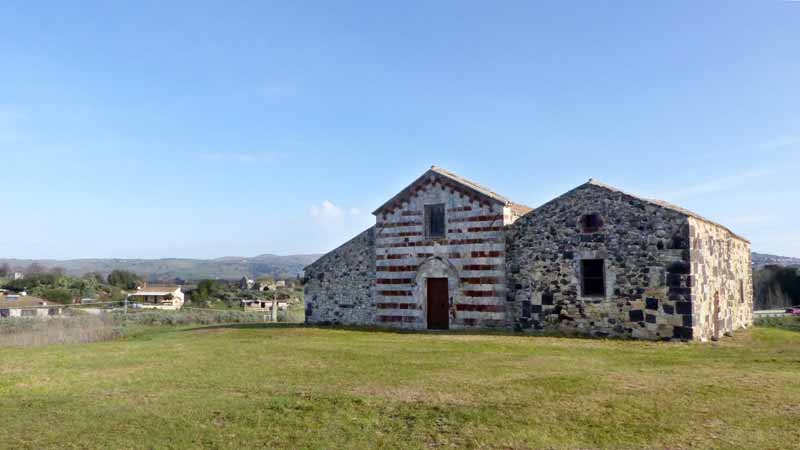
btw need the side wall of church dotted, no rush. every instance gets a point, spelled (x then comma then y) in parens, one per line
(339, 286)
(722, 283)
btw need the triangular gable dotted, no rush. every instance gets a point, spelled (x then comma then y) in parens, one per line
(450, 180)
(659, 203)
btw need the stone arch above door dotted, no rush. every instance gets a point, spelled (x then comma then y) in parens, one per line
(436, 267)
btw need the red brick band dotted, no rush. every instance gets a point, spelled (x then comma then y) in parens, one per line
(480, 294)
(397, 306)
(396, 269)
(482, 280)
(395, 280)
(397, 319)
(481, 308)
(396, 293)
(490, 254)
(479, 267)
(477, 219)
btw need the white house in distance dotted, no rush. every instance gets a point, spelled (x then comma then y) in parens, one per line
(264, 306)
(158, 297)
(15, 305)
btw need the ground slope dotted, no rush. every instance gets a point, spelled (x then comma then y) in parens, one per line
(262, 387)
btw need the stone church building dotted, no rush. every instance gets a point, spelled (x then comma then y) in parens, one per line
(447, 253)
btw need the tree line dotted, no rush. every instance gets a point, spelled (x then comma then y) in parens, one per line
(776, 287)
(53, 285)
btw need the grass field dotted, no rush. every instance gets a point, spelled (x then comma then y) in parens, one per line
(261, 386)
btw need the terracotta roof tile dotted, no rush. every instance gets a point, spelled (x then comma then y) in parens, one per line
(25, 302)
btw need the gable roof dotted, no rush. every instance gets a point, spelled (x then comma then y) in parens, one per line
(662, 204)
(450, 178)
(25, 301)
(157, 289)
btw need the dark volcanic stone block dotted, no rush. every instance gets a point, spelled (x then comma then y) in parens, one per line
(651, 318)
(668, 309)
(526, 309)
(679, 267)
(683, 308)
(680, 291)
(682, 333)
(680, 242)
(636, 315)
(674, 280)
(651, 303)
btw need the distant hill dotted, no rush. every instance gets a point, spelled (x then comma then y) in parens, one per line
(234, 267)
(762, 259)
(229, 267)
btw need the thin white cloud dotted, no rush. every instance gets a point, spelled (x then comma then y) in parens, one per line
(340, 220)
(752, 219)
(326, 211)
(720, 184)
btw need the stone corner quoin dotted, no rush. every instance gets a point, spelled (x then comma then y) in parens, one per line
(594, 261)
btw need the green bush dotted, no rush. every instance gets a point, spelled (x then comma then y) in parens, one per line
(57, 295)
(124, 279)
(791, 323)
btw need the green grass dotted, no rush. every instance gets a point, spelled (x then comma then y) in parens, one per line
(261, 386)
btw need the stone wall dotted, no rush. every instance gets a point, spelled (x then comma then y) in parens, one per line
(471, 256)
(666, 273)
(645, 253)
(722, 284)
(339, 286)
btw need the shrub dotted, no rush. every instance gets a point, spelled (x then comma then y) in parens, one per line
(124, 279)
(57, 295)
(791, 323)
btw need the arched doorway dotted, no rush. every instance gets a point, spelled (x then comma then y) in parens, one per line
(437, 285)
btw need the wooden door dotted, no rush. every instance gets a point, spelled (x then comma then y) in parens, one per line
(438, 300)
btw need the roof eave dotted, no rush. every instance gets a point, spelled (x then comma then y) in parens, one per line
(435, 171)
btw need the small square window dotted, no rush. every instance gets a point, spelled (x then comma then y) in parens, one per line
(434, 221)
(593, 277)
(591, 223)
(5, 312)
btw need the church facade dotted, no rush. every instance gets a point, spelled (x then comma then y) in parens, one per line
(448, 253)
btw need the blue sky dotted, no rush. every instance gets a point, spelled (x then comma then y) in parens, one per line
(197, 129)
